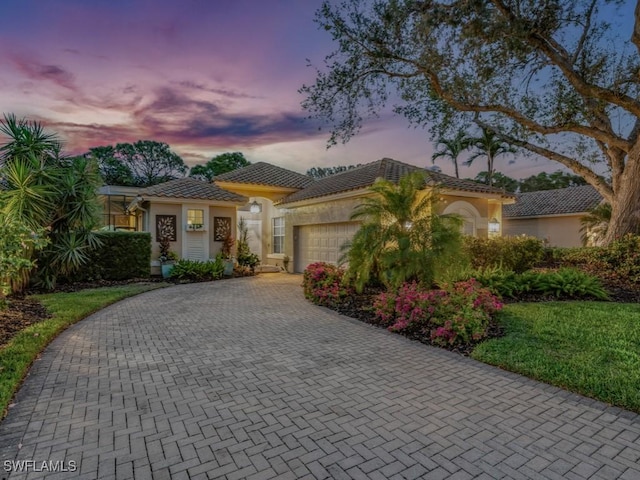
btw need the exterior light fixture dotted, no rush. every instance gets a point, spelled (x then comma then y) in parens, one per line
(408, 224)
(255, 207)
(494, 225)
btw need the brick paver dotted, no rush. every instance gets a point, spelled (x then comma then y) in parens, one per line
(245, 379)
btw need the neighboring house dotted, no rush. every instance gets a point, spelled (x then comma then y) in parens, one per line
(312, 220)
(551, 215)
(289, 215)
(198, 214)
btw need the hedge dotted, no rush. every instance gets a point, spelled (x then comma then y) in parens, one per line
(122, 255)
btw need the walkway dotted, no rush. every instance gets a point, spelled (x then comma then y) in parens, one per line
(245, 379)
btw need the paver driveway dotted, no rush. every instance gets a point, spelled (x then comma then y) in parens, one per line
(245, 379)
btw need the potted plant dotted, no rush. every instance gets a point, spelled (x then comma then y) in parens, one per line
(167, 257)
(227, 257)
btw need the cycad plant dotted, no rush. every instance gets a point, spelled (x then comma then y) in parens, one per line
(401, 237)
(44, 190)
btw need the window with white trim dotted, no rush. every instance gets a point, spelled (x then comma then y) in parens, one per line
(278, 235)
(195, 219)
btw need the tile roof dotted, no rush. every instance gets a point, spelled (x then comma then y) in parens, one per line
(553, 202)
(262, 173)
(192, 188)
(387, 168)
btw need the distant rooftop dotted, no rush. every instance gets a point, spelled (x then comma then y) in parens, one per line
(262, 173)
(553, 202)
(388, 169)
(192, 188)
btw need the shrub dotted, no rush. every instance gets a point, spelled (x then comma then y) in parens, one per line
(121, 256)
(566, 283)
(196, 271)
(323, 284)
(510, 253)
(457, 314)
(619, 260)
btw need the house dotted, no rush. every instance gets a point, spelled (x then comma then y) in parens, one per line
(197, 215)
(308, 221)
(290, 216)
(551, 215)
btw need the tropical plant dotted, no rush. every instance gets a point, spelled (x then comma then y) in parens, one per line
(452, 148)
(594, 225)
(401, 238)
(245, 257)
(489, 145)
(196, 271)
(45, 190)
(18, 243)
(323, 284)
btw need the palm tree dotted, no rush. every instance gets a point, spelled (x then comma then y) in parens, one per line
(595, 224)
(401, 237)
(490, 146)
(452, 148)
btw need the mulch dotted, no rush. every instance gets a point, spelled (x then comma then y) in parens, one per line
(20, 314)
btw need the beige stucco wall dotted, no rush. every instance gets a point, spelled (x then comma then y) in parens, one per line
(557, 231)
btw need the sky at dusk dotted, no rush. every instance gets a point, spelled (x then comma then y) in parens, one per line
(204, 76)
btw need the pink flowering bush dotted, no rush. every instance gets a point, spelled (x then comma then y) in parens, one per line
(456, 314)
(323, 284)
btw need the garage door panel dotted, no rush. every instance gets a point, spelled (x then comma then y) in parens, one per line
(322, 243)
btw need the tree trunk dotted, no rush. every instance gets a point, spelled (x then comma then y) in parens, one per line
(625, 208)
(455, 162)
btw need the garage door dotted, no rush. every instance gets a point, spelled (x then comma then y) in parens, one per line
(321, 243)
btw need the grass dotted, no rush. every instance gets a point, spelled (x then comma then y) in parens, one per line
(66, 309)
(592, 348)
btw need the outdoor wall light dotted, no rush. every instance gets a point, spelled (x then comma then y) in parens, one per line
(408, 224)
(255, 207)
(494, 225)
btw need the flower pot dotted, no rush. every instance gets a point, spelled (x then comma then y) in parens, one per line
(228, 268)
(166, 269)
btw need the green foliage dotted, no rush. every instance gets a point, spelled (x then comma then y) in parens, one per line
(591, 348)
(550, 181)
(498, 180)
(143, 163)
(619, 260)
(196, 271)
(595, 224)
(324, 284)
(509, 253)
(565, 283)
(321, 172)
(401, 238)
(46, 190)
(121, 256)
(452, 148)
(489, 145)
(18, 243)
(223, 163)
(245, 257)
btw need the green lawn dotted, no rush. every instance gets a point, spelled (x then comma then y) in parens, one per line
(592, 348)
(67, 308)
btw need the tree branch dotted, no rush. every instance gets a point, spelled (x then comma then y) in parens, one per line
(598, 182)
(560, 58)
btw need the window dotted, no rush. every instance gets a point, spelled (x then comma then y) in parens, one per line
(195, 219)
(278, 235)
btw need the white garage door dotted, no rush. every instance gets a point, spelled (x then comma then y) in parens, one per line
(321, 243)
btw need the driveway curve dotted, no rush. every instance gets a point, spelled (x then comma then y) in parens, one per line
(245, 379)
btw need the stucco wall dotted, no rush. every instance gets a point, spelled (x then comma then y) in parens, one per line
(214, 247)
(165, 209)
(557, 231)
